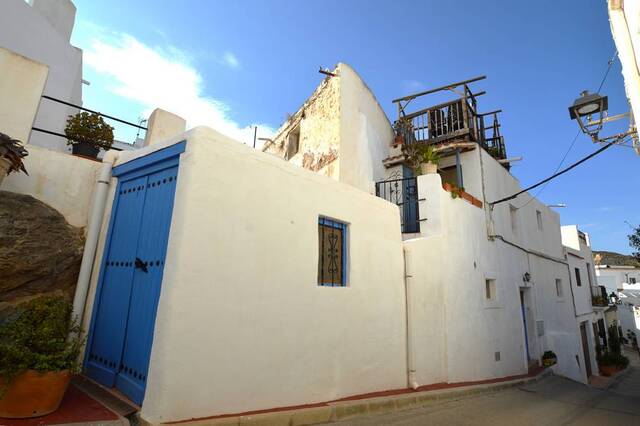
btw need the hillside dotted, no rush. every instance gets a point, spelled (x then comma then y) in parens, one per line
(612, 258)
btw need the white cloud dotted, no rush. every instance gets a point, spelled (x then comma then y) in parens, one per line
(409, 87)
(231, 60)
(163, 78)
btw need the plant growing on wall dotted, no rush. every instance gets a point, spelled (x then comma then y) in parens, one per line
(12, 151)
(456, 191)
(89, 129)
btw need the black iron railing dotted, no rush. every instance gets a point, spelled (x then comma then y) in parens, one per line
(403, 193)
(599, 296)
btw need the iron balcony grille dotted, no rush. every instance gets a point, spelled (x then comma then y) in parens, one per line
(403, 193)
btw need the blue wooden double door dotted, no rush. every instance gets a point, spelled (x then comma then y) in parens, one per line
(124, 313)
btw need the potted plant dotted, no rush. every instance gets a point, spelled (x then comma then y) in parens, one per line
(549, 358)
(39, 348)
(422, 157)
(11, 154)
(403, 130)
(87, 134)
(612, 360)
(609, 363)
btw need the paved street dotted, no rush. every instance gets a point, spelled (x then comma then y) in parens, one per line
(552, 401)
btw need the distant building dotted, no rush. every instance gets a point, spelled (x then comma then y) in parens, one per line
(595, 312)
(617, 277)
(622, 280)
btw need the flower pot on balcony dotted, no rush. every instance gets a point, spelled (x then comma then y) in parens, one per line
(34, 394)
(428, 168)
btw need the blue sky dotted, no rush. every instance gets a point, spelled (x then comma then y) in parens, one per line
(235, 64)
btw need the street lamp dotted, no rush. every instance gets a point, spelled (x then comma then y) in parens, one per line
(584, 108)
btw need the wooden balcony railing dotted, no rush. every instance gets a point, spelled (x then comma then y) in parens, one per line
(456, 120)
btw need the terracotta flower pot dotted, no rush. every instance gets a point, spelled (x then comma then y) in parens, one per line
(608, 370)
(34, 394)
(428, 168)
(84, 149)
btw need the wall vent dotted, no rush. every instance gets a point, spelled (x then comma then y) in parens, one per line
(497, 356)
(540, 327)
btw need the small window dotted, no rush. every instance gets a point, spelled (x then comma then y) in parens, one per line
(632, 280)
(578, 280)
(490, 289)
(332, 249)
(513, 211)
(539, 217)
(559, 290)
(293, 144)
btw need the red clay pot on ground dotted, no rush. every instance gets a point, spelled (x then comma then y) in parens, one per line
(608, 370)
(34, 394)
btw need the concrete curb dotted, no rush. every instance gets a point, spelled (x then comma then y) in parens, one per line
(341, 410)
(120, 422)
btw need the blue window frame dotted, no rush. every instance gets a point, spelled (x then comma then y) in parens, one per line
(332, 253)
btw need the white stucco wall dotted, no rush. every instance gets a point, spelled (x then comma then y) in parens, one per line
(580, 256)
(30, 32)
(365, 133)
(21, 86)
(616, 277)
(241, 323)
(450, 262)
(624, 17)
(65, 182)
(629, 316)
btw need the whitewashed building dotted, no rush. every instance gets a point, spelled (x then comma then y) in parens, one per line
(594, 310)
(623, 281)
(40, 30)
(485, 278)
(219, 280)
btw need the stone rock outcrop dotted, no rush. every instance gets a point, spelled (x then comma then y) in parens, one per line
(40, 253)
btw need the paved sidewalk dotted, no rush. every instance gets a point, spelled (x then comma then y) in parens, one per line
(551, 401)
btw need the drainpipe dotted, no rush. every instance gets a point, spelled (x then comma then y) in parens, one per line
(411, 370)
(93, 233)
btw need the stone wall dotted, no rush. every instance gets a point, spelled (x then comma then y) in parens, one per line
(318, 121)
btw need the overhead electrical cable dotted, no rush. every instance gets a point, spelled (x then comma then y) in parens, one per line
(573, 142)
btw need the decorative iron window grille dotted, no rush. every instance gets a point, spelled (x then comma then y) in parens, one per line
(332, 250)
(403, 193)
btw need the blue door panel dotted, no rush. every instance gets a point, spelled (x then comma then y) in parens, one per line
(121, 335)
(152, 244)
(110, 322)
